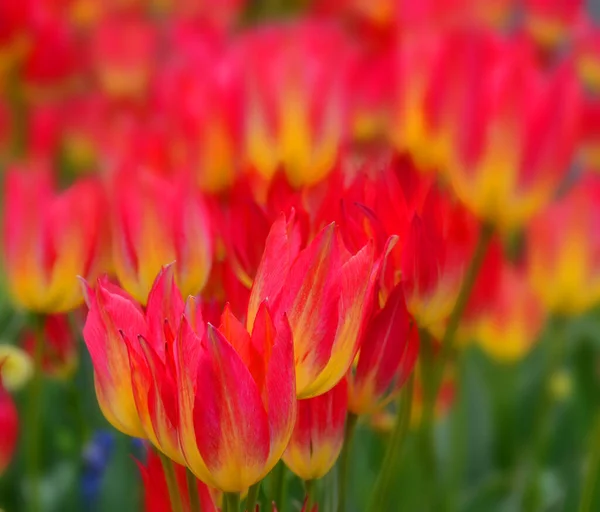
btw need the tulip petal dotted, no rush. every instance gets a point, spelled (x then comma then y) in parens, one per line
(232, 431)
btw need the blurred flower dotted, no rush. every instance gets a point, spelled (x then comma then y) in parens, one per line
(387, 356)
(122, 54)
(156, 222)
(297, 81)
(508, 330)
(156, 493)
(437, 250)
(50, 238)
(587, 53)
(236, 399)
(443, 401)
(564, 250)
(59, 358)
(96, 456)
(318, 434)
(17, 367)
(326, 293)
(590, 135)
(503, 102)
(549, 21)
(9, 425)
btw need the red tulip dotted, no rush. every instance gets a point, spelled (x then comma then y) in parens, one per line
(9, 426)
(157, 222)
(326, 293)
(50, 239)
(318, 434)
(387, 356)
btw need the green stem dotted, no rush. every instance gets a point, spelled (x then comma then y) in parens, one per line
(252, 497)
(192, 485)
(171, 479)
(345, 461)
(34, 405)
(309, 485)
(231, 501)
(591, 475)
(394, 451)
(545, 406)
(278, 487)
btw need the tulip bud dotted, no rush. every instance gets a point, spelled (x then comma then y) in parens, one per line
(236, 399)
(326, 293)
(50, 239)
(318, 434)
(387, 356)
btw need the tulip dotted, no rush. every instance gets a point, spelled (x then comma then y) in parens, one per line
(132, 355)
(508, 330)
(326, 294)
(549, 21)
(387, 357)
(9, 426)
(318, 434)
(503, 101)
(59, 358)
(564, 250)
(50, 239)
(297, 81)
(156, 494)
(156, 222)
(237, 397)
(587, 53)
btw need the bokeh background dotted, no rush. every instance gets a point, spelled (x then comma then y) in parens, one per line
(93, 88)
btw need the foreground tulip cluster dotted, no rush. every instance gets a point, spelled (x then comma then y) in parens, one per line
(271, 232)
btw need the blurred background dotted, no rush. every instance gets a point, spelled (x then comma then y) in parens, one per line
(263, 99)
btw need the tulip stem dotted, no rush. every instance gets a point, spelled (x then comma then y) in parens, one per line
(591, 475)
(171, 479)
(252, 497)
(231, 501)
(344, 467)
(394, 450)
(277, 480)
(309, 486)
(33, 417)
(193, 491)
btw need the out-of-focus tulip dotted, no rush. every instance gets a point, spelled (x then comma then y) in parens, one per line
(297, 82)
(443, 401)
(564, 250)
(237, 397)
(590, 135)
(587, 53)
(503, 101)
(437, 250)
(156, 222)
(59, 358)
(9, 426)
(122, 55)
(156, 493)
(513, 323)
(202, 98)
(327, 295)
(387, 356)
(17, 367)
(51, 238)
(319, 433)
(549, 21)
(132, 354)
